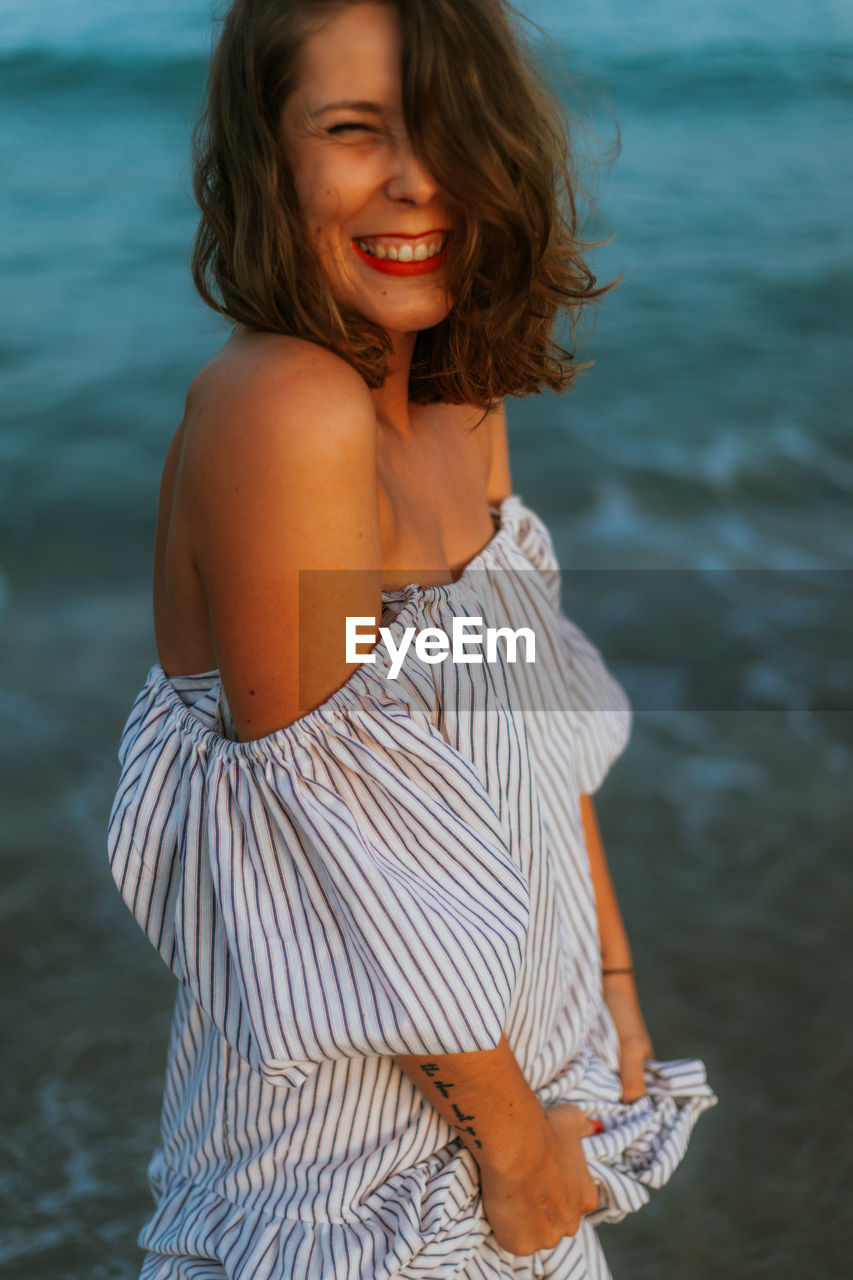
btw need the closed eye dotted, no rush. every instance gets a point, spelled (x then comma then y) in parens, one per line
(339, 128)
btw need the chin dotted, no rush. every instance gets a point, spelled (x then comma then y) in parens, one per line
(411, 325)
(405, 319)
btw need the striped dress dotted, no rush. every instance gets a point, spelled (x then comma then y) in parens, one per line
(401, 871)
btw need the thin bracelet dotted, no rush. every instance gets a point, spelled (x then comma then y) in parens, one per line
(606, 971)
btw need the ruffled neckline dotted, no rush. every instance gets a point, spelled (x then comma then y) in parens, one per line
(194, 704)
(506, 512)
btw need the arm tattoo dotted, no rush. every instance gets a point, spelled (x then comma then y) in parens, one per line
(444, 1086)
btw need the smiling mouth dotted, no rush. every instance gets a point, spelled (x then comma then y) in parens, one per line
(404, 255)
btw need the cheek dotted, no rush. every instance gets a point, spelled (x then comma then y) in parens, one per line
(319, 203)
(340, 192)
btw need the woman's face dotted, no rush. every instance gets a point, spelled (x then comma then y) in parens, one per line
(375, 216)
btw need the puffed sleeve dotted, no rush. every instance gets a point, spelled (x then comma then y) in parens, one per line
(339, 888)
(595, 704)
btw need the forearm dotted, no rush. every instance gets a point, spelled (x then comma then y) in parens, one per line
(615, 947)
(486, 1098)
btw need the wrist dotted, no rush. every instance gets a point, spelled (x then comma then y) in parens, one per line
(516, 1149)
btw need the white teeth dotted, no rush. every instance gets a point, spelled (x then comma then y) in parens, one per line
(403, 252)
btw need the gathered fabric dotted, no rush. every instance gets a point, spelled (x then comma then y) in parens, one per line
(400, 871)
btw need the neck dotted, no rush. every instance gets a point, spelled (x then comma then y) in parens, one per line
(392, 398)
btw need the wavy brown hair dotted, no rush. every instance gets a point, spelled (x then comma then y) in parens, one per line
(495, 139)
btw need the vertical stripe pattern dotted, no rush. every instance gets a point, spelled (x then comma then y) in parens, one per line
(402, 870)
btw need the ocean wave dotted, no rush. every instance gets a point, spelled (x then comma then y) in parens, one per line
(781, 463)
(719, 73)
(723, 73)
(37, 74)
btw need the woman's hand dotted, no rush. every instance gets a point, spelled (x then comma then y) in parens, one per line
(541, 1197)
(635, 1046)
(534, 1178)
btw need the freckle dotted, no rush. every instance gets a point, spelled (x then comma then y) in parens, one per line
(252, 692)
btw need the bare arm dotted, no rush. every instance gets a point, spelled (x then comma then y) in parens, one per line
(500, 480)
(280, 476)
(533, 1174)
(619, 989)
(485, 1097)
(615, 949)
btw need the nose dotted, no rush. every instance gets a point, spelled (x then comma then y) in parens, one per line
(410, 180)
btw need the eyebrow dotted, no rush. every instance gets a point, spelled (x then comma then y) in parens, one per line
(374, 107)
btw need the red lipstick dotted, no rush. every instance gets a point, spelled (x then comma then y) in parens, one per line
(388, 267)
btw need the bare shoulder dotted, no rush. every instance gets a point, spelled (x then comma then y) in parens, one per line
(277, 481)
(262, 361)
(274, 393)
(281, 423)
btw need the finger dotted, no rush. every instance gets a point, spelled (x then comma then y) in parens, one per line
(631, 1091)
(588, 1126)
(570, 1119)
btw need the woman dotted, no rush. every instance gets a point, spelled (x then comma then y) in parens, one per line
(407, 1040)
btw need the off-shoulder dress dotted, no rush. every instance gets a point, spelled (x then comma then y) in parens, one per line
(400, 871)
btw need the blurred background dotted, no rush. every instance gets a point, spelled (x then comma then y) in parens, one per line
(698, 485)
